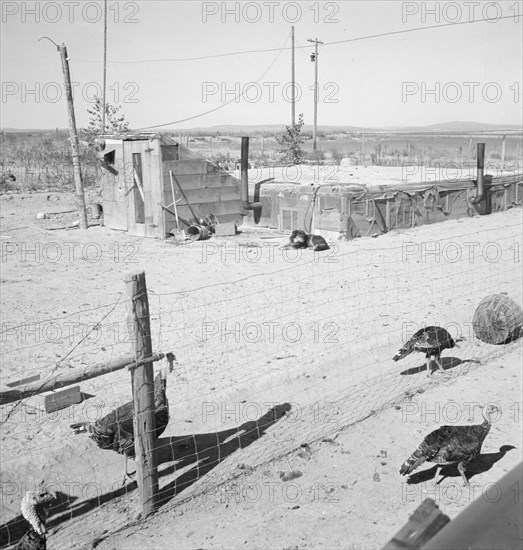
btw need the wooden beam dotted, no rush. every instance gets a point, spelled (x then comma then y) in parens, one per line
(138, 183)
(71, 377)
(142, 379)
(181, 218)
(24, 381)
(423, 524)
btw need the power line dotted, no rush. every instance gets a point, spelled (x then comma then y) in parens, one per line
(226, 103)
(243, 52)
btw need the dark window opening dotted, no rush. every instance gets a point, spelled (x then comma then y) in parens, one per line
(170, 152)
(109, 158)
(139, 206)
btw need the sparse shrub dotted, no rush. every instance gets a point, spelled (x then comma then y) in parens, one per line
(291, 143)
(114, 121)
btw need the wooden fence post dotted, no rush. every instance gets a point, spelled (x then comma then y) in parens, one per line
(142, 379)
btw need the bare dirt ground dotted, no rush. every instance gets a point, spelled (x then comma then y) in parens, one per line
(274, 352)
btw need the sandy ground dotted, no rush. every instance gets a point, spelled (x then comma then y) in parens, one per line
(274, 351)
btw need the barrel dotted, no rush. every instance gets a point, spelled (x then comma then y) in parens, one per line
(497, 319)
(198, 233)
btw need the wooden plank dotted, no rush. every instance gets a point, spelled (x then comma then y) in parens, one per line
(199, 181)
(156, 226)
(220, 180)
(423, 524)
(177, 217)
(186, 167)
(62, 399)
(138, 183)
(225, 229)
(217, 208)
(128, 176)
(203, 196)
(192, 181)
(24, 381)
(170, 222)
(114, 193)
(71, 377)
(329, 222)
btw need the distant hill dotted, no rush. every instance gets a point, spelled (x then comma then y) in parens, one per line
(442, 127)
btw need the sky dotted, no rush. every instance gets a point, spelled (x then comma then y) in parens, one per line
(166, 68)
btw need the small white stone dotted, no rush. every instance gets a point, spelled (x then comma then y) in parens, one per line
(41, 216)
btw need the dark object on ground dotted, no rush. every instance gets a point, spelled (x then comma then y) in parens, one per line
(497, 319)
(300, 239)
(431, 341)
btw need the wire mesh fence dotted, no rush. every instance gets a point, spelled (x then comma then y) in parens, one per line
(264, 364)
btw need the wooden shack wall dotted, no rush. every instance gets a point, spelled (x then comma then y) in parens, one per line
(118, 186)
(151, 184)
(114, 199)
(208, 189)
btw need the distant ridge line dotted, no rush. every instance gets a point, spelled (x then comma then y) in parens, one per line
(455, 127)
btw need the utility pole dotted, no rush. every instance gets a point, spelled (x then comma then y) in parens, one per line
(80, 198)
(73, 135)
(503, 146)
(314, 57)
(293, 82)
(105, 67)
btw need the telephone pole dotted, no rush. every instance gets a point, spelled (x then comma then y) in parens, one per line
(105, 67)
(314, 57)
(73, 134)
(80, 197)
(293, 89)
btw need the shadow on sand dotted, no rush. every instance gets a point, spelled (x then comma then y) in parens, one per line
(482, 464)
(447, 362)
(202, 451)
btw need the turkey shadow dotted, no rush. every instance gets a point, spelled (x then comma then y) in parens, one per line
(12, 531)
(199, 454)
(483, 463)
(202, 451)
(447, 362)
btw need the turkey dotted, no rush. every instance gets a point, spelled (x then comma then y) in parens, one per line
(35, 507)
(451, 445)
(115, 431)
(431, 341)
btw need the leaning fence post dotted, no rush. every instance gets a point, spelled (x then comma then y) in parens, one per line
(142, 378)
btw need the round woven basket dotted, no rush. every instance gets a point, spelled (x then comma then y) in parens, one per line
(497, 319)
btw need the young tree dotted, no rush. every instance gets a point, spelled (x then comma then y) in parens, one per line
(114, 121)
(291, 143)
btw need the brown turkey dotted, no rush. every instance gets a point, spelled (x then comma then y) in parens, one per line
(115, 431)
(431, 341)
(35, 507)
(452, 445)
